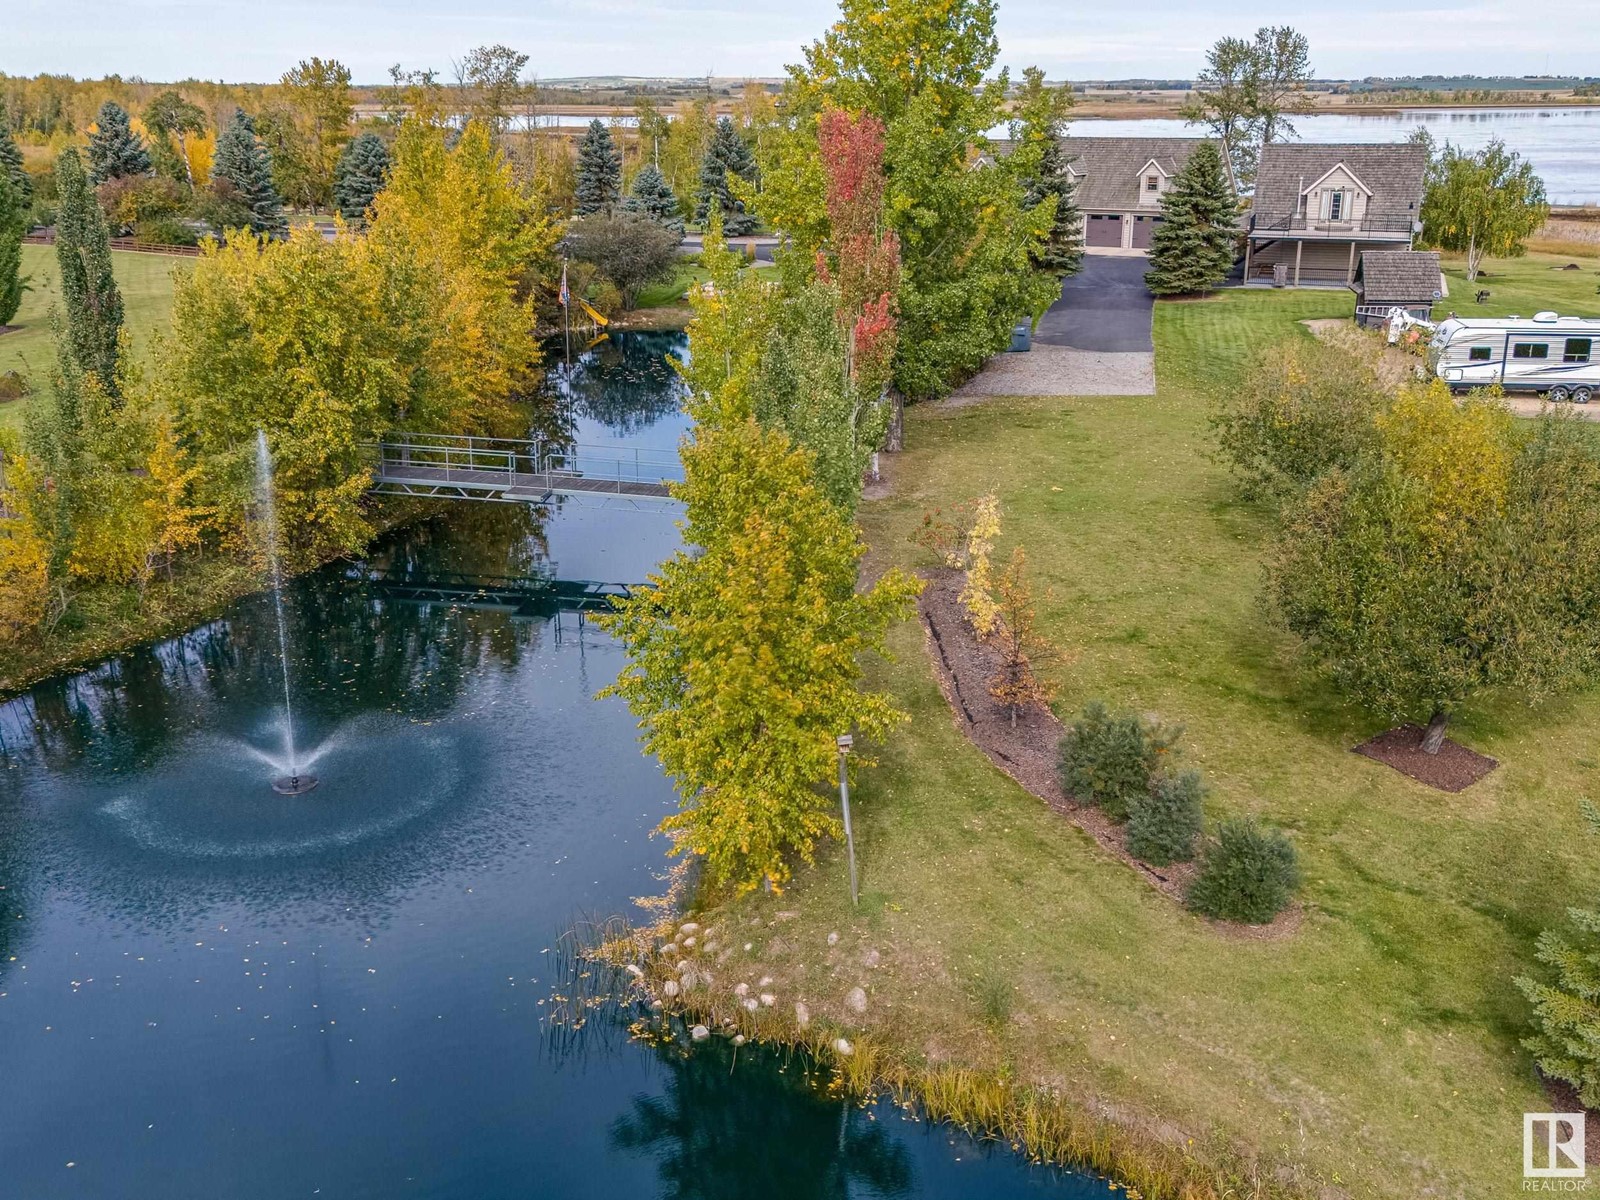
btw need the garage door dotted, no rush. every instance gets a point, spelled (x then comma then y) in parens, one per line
(1144, 229)
(1103, 230)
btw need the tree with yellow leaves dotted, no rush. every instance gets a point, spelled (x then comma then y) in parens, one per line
(24, 549)
(744, 654)
(1015, 684)
(977, 593)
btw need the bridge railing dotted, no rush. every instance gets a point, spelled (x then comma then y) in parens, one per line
(616, 464)
(470, 458)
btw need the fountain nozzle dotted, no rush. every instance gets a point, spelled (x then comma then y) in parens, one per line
(294, 785)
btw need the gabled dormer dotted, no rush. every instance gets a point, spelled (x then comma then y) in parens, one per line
(1337, 197)
(1153, 182)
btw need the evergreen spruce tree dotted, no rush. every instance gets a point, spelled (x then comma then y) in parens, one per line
(652, 197)
(727, 155)
(1062, 253)
(1192, 249)
(115, 150)
(88, 288)
(241, 165)
(599, 171)
(11, 160)
(14, 222)
(362, 171)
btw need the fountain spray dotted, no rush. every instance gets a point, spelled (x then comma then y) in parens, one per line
(294, 783)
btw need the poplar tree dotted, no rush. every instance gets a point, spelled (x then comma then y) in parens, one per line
(362, 171)
(1192, 249)
(173, 119)
(11, 159)
(652, 197)
(599, 171)
(726, 155)
(88, 288)
(115, 151)
(241, 166)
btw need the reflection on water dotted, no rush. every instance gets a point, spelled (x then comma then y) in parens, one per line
(207, 989)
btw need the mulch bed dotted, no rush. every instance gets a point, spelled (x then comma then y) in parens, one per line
(1453, 769)
(1564, 1099)
(1028, 753)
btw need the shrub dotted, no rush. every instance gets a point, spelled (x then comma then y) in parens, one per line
(631, 251)
(1247, 875)
(1110, 759)
(130, 201)
(1301, 409)
(165, 231)
(1163, 823)
(12, 387)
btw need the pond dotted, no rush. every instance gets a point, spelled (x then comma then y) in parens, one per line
(208, 990)
(1559, 141)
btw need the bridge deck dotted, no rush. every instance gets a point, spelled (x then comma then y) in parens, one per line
(412, 479)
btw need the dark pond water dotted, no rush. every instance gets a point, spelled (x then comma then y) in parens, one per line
(207, 990)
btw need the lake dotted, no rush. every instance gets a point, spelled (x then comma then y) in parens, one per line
(1562, 143)
(208, 990)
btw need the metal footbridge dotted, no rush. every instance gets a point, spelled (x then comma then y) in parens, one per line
(532, 471)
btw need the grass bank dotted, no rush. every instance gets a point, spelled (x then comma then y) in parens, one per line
(146, 283)
(1375, 1052)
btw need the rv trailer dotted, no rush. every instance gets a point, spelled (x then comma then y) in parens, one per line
(1558, 356)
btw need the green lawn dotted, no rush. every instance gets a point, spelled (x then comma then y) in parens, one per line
(1524, 286)
(670, 292)
(146, 282)
(1375, 1050)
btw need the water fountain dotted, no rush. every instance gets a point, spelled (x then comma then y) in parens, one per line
(293, 782)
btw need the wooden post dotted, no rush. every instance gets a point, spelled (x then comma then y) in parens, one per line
(1350, 271)
(1249, 245)
(1299, 248)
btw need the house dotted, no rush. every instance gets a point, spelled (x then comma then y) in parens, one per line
(1318, 208)
(1120, 182)
(1390, 279)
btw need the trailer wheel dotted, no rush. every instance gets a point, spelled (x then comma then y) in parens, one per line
(1582, 395)
(1558, 394)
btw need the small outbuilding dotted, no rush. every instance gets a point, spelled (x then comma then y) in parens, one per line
(1389, 279)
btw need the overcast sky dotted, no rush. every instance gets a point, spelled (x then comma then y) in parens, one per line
(226, 39)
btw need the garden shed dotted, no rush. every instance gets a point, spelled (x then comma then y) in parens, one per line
(1387, 279)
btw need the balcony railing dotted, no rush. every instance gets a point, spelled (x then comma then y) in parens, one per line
(1324, 227)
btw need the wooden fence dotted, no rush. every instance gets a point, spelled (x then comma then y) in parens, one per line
(47, 237)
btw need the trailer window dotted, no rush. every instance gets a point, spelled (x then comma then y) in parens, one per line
(1480, 354)
(1577, 350)
(1530, 350)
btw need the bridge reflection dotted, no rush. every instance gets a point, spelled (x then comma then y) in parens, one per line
(537, 596)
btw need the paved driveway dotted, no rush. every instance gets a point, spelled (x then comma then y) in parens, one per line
(1103, 307)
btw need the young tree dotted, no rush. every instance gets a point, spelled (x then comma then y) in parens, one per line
(14, 210)
(1566, 1001)
(727, 156)
(599, 171)
(170, 116)
(652, 197)
(1192, 249)
(1453, 560)
(11, 160)
(240, 170)
(744, 656)
(25, 551)
(631, 251)
(115, 151)
(361, 174)
(1015, 684)
(1039, 119)
(317, 92)
(1483, 204)
(88, 288)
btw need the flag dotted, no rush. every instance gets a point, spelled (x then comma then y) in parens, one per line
(566, 297)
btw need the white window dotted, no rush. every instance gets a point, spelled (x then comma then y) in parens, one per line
(1335, 206)
(1152, 183)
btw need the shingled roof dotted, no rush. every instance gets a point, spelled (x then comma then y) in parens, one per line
(1398, 276)
(1393, 172)
(1110, 169)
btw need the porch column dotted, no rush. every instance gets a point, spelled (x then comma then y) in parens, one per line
(1249, 245)
(1350, 272)
(1299, 248)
